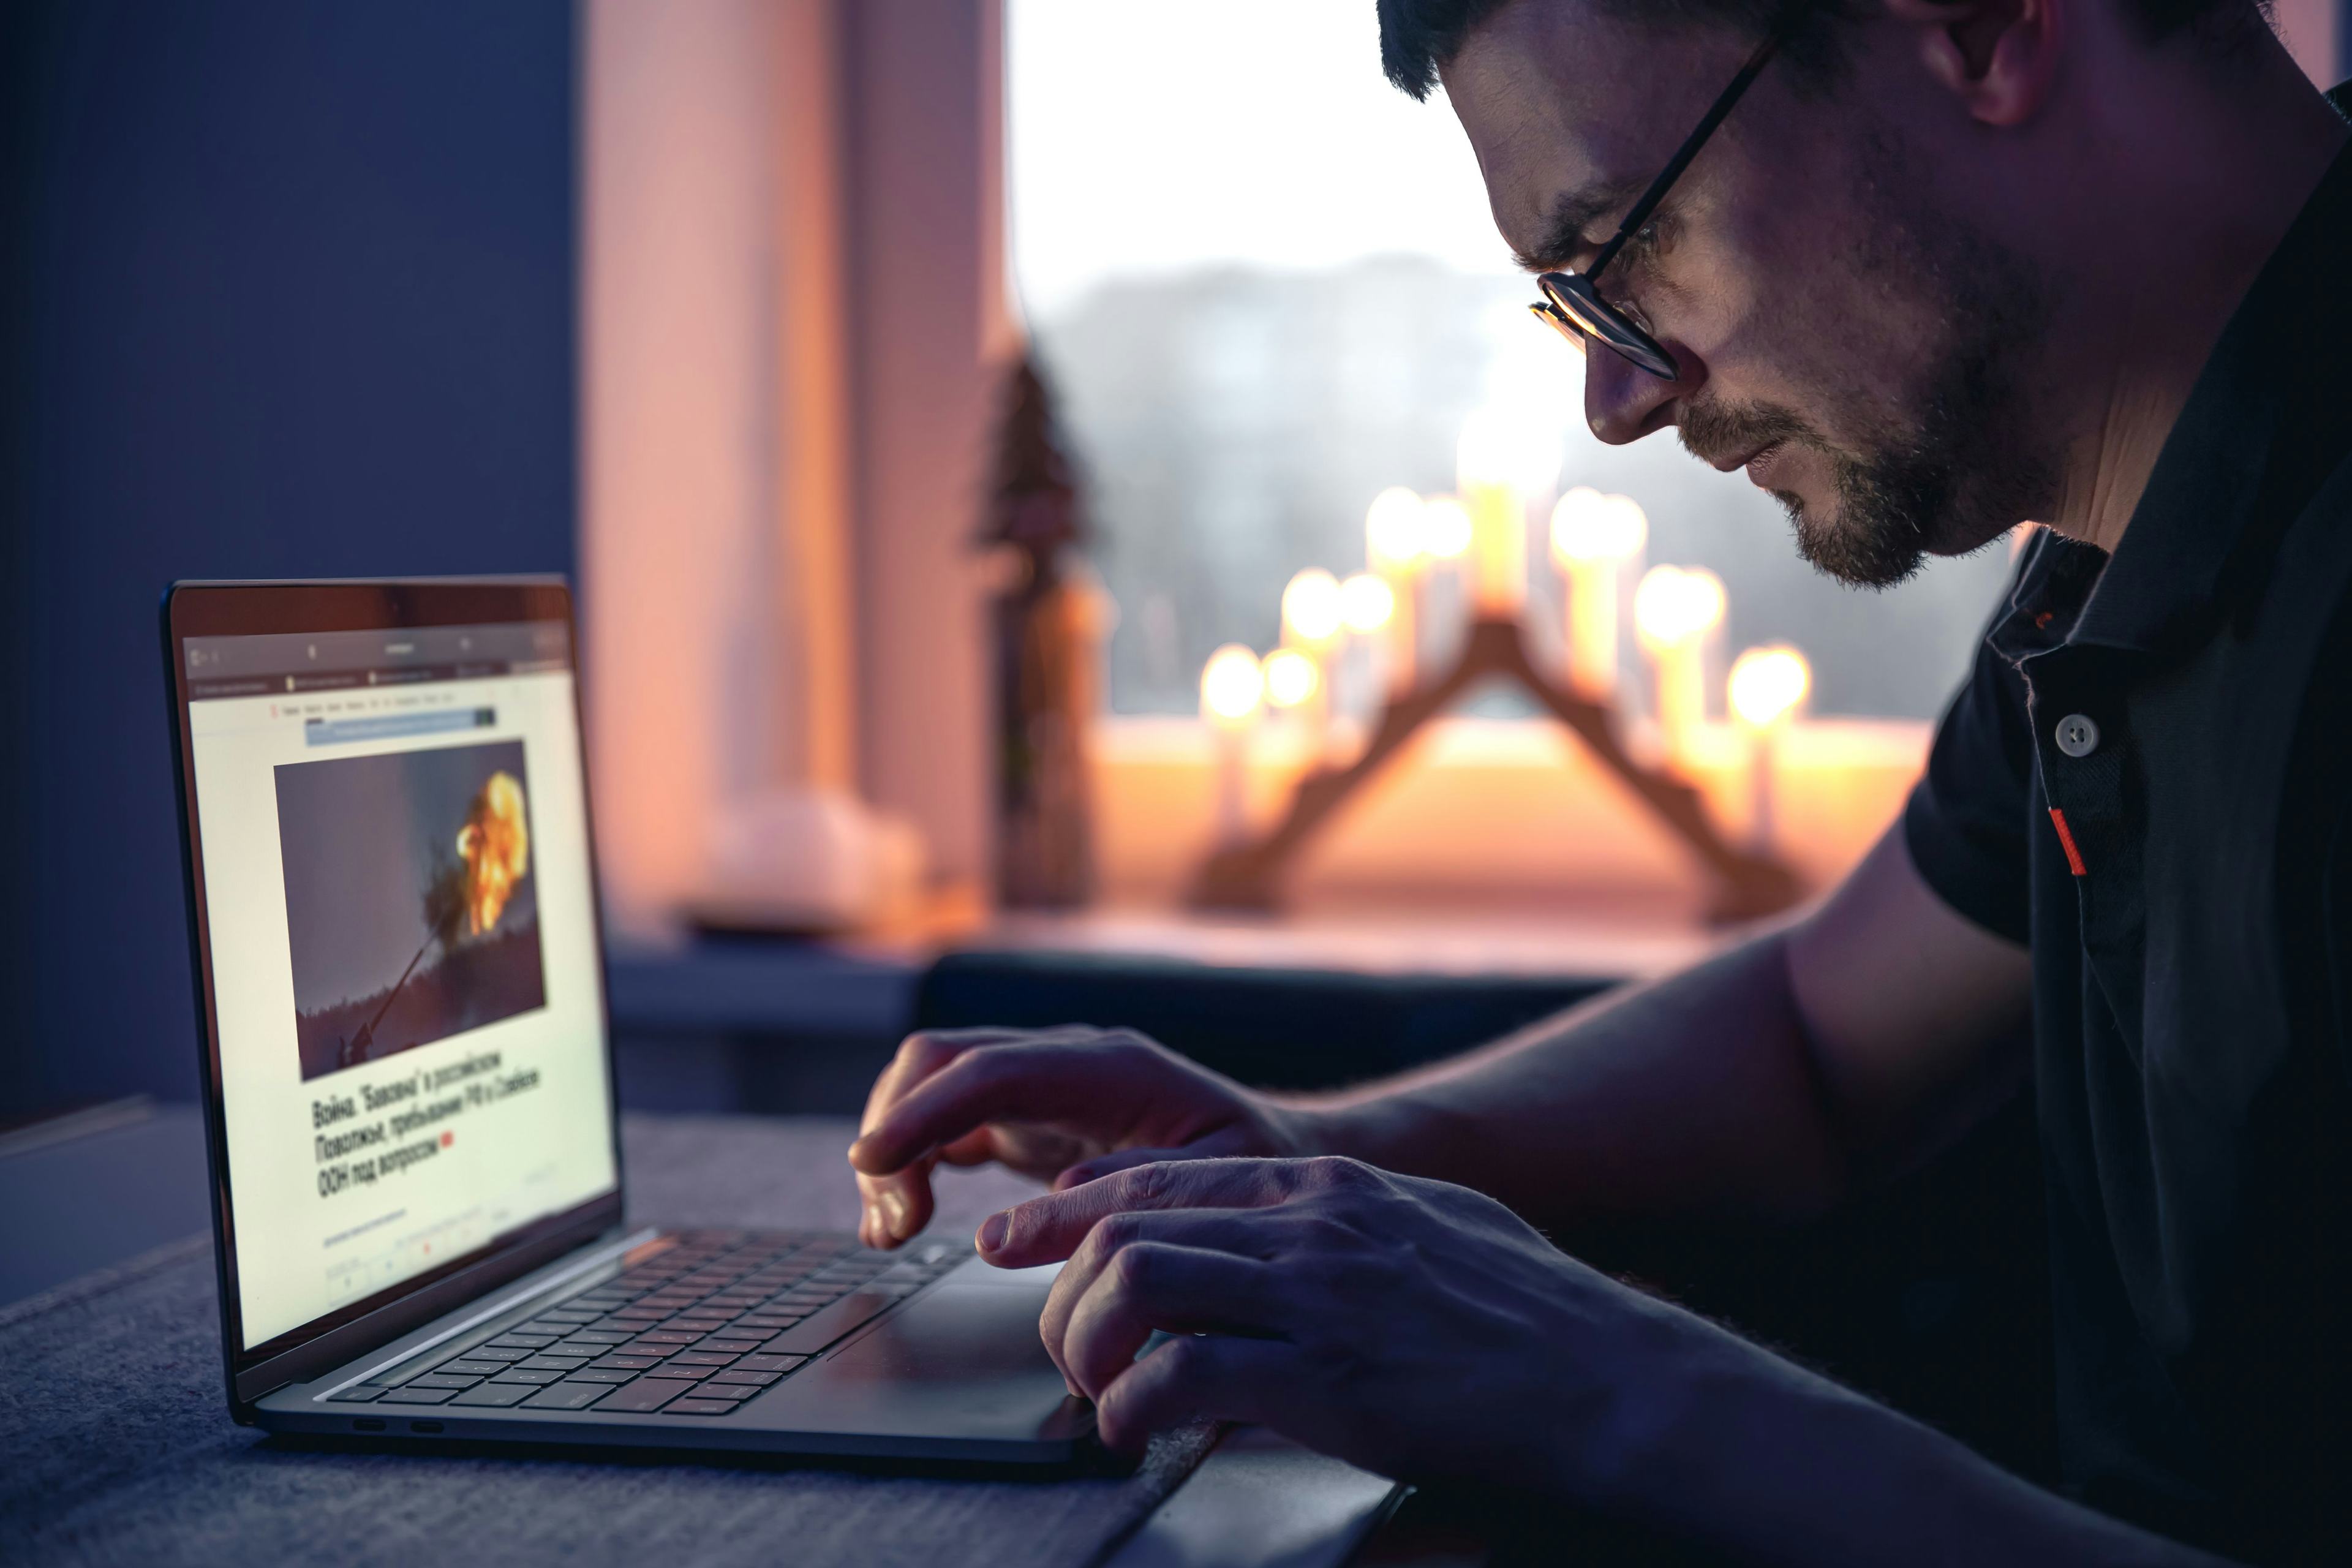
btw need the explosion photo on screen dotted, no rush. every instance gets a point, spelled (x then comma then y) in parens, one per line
(411, 914)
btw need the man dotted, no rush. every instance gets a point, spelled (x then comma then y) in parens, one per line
(1940, 267)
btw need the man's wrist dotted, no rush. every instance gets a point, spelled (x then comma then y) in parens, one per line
(1371, 1131)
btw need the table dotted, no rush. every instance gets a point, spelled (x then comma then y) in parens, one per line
(116, 1446)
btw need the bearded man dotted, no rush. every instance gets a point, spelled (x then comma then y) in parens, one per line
(1927, 269)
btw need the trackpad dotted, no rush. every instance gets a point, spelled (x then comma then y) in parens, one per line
(961, 1360)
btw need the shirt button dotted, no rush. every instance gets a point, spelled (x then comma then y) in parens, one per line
(2077, 735)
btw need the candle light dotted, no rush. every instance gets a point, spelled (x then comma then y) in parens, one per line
(1394, 549)
(1366, 605)
(1291, 679)
(1448, 533)
(1366, 602)
(1675, 610)
(1310, 626)
(1591, 536)
(1233, 685)
(1503, 460)
(1767, 686)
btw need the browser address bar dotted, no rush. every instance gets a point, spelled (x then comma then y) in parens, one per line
(393, 726)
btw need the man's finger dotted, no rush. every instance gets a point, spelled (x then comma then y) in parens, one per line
(1210, 1377)
(919, 1055)
(897, 1206)
(1236, 1232)
(1154, 1287)
(1036, 1078)
(1049, 1230)
(1224, 1143)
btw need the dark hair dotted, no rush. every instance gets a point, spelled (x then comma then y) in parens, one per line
(1419, 35)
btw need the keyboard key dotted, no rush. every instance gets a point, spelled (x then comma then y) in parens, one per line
(358, 1393)
(699, 1407)
(443, 1379)
(625, 1363)
(496, 1395)
(821, 1330)
(732, 1392)
(733, 1344)
(517, 1375)
(511, 1350)
(526, 1339)
(567, 1397)
(552, 1362)
(756, 1379)
(646, 1393)
(470, 1366)
(415, 1396)
(495, 1353)
(668, 1337)
(601, 1374)
(599, 1337)
(769, 1363)
(702, 1358)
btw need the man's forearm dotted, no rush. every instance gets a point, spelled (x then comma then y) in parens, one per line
(1768, 1462)
(1693, 1095)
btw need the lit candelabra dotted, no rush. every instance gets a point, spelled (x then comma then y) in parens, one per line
(1469, 552)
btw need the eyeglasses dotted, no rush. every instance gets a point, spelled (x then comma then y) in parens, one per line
(1572, 303)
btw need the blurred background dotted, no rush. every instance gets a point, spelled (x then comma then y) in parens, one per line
(713, 305)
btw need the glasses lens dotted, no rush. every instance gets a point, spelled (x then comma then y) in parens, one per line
(1543, 310)
(1574, 301)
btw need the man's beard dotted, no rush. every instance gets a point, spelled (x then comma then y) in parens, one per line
(1963, 463)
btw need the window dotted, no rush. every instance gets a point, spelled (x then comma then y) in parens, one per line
(1266, 287)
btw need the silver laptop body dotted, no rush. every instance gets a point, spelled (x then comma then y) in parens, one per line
(419, 1207)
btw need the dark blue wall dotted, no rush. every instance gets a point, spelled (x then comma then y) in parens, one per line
(289, 292)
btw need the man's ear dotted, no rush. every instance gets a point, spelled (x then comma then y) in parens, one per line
(1997, 57)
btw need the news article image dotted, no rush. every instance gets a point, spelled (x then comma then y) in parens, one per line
(411, 911)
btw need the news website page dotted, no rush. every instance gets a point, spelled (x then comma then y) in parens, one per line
(394, 842)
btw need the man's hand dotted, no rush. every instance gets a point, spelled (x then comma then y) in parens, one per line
(1062, 1105)
(1411, 1327)
(1423, 1332)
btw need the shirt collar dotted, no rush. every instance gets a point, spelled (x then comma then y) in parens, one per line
(2172, 571)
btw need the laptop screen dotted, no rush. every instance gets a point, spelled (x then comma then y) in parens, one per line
(400, 919)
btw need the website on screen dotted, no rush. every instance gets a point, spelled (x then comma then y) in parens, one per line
(402, 925)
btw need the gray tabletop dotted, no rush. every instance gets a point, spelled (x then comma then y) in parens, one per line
(116, 1445)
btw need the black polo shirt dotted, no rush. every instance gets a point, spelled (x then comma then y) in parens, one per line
(2145, 781)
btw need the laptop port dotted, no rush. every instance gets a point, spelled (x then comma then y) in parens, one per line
(425, 1426)
(368, 1424)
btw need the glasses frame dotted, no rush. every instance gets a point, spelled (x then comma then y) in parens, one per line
(1572, 303)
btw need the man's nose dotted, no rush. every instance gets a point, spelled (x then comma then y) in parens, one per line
(1623, 403)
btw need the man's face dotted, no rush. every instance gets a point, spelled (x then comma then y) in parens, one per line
(1861, 352)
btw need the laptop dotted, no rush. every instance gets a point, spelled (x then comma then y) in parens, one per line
(419, 1216)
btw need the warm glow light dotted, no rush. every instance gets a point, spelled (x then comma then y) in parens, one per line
(1232, 685)
(1311, 608)
(1393, 531)
(1291, 678)
(1506, 447)
(1706, 599)
(1589, 526)
(1366, 602)
(1767, 684)
(1444, 527)
(1676, 605)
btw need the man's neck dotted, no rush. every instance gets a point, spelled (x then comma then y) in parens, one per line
(2223, 187)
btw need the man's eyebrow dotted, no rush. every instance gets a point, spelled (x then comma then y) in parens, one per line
(1574, 211)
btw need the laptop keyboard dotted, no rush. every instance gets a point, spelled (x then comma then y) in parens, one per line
(693, 1329)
